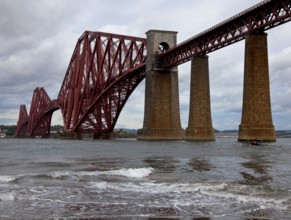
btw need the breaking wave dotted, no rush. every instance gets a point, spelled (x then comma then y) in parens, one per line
(8, 196)
(158, 188)
(7, 179)
(125, 172)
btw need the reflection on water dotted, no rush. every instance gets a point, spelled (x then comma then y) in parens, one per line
(169, 164)
(169, 218)
(100, 164)
(162, 164)
(257, 170)
(200, 164)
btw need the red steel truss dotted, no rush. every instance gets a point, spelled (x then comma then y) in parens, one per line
(40, 114)
(106, 68)
(103, 72)
(22, 123)
(261, 17)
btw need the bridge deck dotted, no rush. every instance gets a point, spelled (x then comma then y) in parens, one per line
(261, 17)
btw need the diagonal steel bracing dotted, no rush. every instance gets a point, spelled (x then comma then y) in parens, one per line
(261, 17)
(103, 72)
(106, 68)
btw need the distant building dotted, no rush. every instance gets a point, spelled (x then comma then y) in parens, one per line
(2, 134)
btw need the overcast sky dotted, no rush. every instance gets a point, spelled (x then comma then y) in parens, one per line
(38, 38)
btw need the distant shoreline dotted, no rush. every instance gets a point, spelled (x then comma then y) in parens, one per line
(8, 131)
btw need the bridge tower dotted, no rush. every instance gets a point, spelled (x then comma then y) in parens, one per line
(256, 121)
(162, 111)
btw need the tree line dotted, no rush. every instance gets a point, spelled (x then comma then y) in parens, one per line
(11, 129)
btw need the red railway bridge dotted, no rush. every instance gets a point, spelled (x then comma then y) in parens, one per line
(106, 68)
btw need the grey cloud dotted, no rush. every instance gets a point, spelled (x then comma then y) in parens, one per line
(38, 39)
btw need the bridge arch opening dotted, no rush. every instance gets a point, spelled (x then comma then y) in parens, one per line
(57, 122)
(131, 116)
(163, 47)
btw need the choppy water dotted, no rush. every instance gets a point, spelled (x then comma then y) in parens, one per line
(129, 179)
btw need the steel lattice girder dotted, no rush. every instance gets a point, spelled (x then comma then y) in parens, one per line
(99, 61)
(106, 68)
(22, 123)
(40, 114)
(104, 111)
(259, 18)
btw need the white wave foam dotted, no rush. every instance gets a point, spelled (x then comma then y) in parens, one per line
(131, 173)
(59, 174)
(158, 188)
(7, 179)
(191, 194)
(254, 198)
(9, 196)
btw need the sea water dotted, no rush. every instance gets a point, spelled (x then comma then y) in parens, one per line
(130, 179)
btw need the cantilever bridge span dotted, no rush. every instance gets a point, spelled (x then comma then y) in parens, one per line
(106, 68)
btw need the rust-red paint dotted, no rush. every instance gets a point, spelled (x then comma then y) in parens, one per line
(106, 68)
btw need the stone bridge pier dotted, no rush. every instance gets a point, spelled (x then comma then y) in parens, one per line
(200, 121)
(256, 121)
(162, 111)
